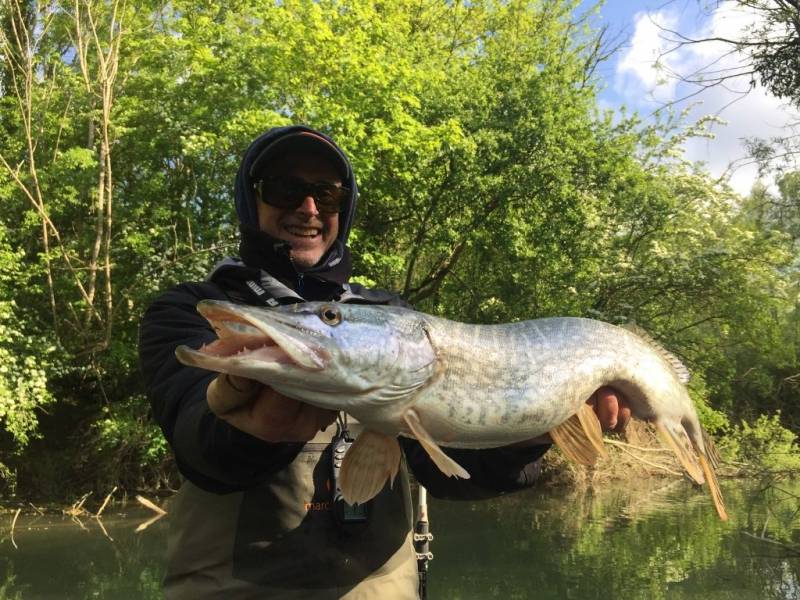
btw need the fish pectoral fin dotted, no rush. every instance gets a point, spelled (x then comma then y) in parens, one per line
(371, 460)
(446, 464)
(580, 437)
(674, 435)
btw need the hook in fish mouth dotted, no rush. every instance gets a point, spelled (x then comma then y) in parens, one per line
(246, 339)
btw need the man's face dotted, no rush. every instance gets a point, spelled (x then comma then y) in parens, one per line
(309, 232)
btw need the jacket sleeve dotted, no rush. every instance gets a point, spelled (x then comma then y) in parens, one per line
(493, 471)
(208, 451)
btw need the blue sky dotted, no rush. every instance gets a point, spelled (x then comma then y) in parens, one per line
(633, 80)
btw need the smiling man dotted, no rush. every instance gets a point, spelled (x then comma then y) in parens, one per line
(257, 516)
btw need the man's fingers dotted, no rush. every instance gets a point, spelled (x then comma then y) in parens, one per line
(274, 417)
(612, 409)
(606, 407)
(227, 393)
(624, 416)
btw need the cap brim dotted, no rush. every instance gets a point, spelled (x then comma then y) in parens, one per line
(300, 142)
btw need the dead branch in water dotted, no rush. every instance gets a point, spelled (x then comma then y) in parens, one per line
(77, 508)
(151, 505)
(147, 523)
(13, 524)
(105, 502)
(792, 549)
(102, 528)
(37, 509)
(160, 512)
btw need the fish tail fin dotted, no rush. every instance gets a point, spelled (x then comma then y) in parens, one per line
(369, 462)
(676, 438)
(713, 486)
(580, 437)
(711, 449)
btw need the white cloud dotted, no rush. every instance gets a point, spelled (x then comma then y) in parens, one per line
(753, 114)
(644, 67)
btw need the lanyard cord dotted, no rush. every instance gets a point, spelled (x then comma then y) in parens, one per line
(341, 424)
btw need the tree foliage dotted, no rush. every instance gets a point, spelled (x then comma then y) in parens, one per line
(492, 190)
(774, 45)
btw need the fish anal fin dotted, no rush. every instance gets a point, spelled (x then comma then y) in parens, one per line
(580, 437)
(676, 438)
(445, 464)
(713, 486)
(369, 462)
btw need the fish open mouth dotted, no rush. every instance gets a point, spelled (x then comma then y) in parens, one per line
(246, 340)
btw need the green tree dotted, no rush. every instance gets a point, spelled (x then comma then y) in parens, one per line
(491, 190)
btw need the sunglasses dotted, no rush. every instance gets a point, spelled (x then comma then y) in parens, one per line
(290, 192)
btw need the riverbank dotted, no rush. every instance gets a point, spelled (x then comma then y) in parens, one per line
(638, 453)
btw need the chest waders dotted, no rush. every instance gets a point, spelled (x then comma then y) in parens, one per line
(282, 540)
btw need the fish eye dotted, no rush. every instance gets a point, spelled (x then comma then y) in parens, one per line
(330, 315)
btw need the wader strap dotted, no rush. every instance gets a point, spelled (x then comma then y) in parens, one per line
(268, 289)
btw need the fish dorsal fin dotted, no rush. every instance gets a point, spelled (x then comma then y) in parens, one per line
(680, 369)
(674, 435)
(369, 462)
(446, 464)
(580, 437)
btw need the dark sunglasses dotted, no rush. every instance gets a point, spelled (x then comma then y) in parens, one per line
(290, 192)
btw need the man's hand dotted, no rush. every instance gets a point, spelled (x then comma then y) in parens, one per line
(612, 409)
(264, 413)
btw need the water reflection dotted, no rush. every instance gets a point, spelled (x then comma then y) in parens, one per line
(659, 541)
(656, 542)
(64, 558)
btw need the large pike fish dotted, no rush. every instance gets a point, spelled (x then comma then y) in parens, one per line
(402, 372)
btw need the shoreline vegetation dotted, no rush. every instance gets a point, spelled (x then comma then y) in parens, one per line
(633, 455)
(638, 453)
(495, 187)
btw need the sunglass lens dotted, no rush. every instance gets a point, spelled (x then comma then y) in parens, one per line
(289, 193)
(328, 198)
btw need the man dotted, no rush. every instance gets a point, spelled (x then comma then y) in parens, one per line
(256, 516)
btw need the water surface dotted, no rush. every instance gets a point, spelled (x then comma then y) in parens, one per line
(661, 540)
(657, 540)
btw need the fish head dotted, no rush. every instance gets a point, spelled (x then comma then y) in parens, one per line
(331, 355)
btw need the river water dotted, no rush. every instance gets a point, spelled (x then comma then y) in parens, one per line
(658, 539)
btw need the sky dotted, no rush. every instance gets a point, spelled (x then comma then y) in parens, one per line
(643, 76)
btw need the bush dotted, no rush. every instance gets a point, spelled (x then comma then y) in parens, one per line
(766, 444)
